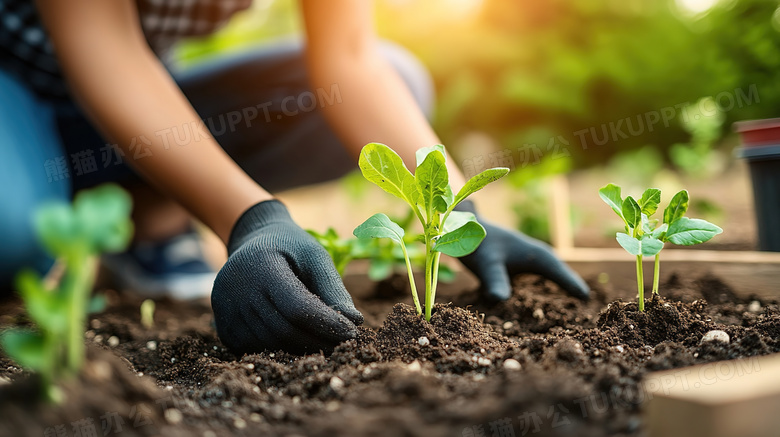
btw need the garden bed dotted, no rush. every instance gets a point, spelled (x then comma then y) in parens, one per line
(541, 363)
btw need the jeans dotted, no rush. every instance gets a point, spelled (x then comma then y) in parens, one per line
(257, 104)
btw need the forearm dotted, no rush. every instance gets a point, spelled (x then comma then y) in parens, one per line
(133, 100)
(375, 105)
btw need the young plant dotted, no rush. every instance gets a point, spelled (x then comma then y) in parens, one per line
(147, 313)
(97, 221)
(645, 236)
(432, 201)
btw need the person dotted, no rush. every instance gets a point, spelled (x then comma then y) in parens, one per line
(87, 98)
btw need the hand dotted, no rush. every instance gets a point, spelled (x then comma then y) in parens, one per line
(505, 253)
(279, 289)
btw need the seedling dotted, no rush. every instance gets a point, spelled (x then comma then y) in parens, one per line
(432, 201)
(645, 236)
(147, 313)
(384, 256)
(97, 221)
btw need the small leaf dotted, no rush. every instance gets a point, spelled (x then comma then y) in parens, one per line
(446, 274)
(421, 154)
(56, 227)
(632, 214)
(650, 200)
(677, 208)
(659, 232)
(479, 182)
(97, 304)
(687, 232)
(380, 269)
(432, 180)
(462, 241)
(104, 216)
(457, 219)
(379, 226)
(650, 246)
(382, 166)
(629, 243)
(25, 347)
(610, 194)
(45, 307)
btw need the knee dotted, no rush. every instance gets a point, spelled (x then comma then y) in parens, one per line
(413, 73)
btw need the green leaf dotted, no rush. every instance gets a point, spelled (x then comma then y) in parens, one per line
(462, 241)
(687, 232)
(25, 347)
(97, 304)
(479, 182)
(659, 232)
(421, 154)
(650, 200)
(104, 216)
(45, 307)
(677, 208)
(380, 226)
(610, 194)
(650, 246)
(632, 214)
(629, 243)
(382, 166)
(380, 269)
(57, 228)
(446, 274)
(457, 219)
(647, 224)
(432, 180)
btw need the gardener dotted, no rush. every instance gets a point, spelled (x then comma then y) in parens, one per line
(272, 120)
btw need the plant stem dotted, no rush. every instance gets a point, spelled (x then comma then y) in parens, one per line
(428, 277)
(435, 278)
(656, 272)
(415, 297)
(640, 283)
(81, 270)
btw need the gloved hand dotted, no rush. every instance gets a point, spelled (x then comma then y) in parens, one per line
(505, 253)
(279, 289)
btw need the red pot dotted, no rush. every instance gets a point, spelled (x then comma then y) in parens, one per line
(759, 132)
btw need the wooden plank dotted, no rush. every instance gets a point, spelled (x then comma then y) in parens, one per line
(723, 399)
(561, 232)
(584, 254)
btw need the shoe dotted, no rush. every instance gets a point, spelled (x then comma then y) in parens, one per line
(174, 268)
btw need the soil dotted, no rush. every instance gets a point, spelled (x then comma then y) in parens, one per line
(540, 363)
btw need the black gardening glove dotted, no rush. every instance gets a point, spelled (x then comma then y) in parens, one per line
(279, 289)
(505, 253)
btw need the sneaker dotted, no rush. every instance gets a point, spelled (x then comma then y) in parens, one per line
(175, 268)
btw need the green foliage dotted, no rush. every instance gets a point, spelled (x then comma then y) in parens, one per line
(97, 221)
(431, 200)
(645, 236)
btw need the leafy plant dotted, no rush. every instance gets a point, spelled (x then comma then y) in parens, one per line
(97, 221)
(432, 201)
(384, 256)
(645, 236)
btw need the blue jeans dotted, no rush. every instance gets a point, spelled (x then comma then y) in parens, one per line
(257, 104)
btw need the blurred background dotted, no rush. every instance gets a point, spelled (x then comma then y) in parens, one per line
(636, 92)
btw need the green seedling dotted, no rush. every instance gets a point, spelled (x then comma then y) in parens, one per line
(147, 313)
(432, 201)
(97, 221)
(384, 256)
(645, 236)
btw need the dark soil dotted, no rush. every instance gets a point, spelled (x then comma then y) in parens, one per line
(576, 368)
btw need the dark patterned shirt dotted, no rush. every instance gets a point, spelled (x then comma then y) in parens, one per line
(27, 53)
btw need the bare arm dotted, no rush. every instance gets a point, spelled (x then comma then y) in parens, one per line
(376, 105)
(128, 94)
